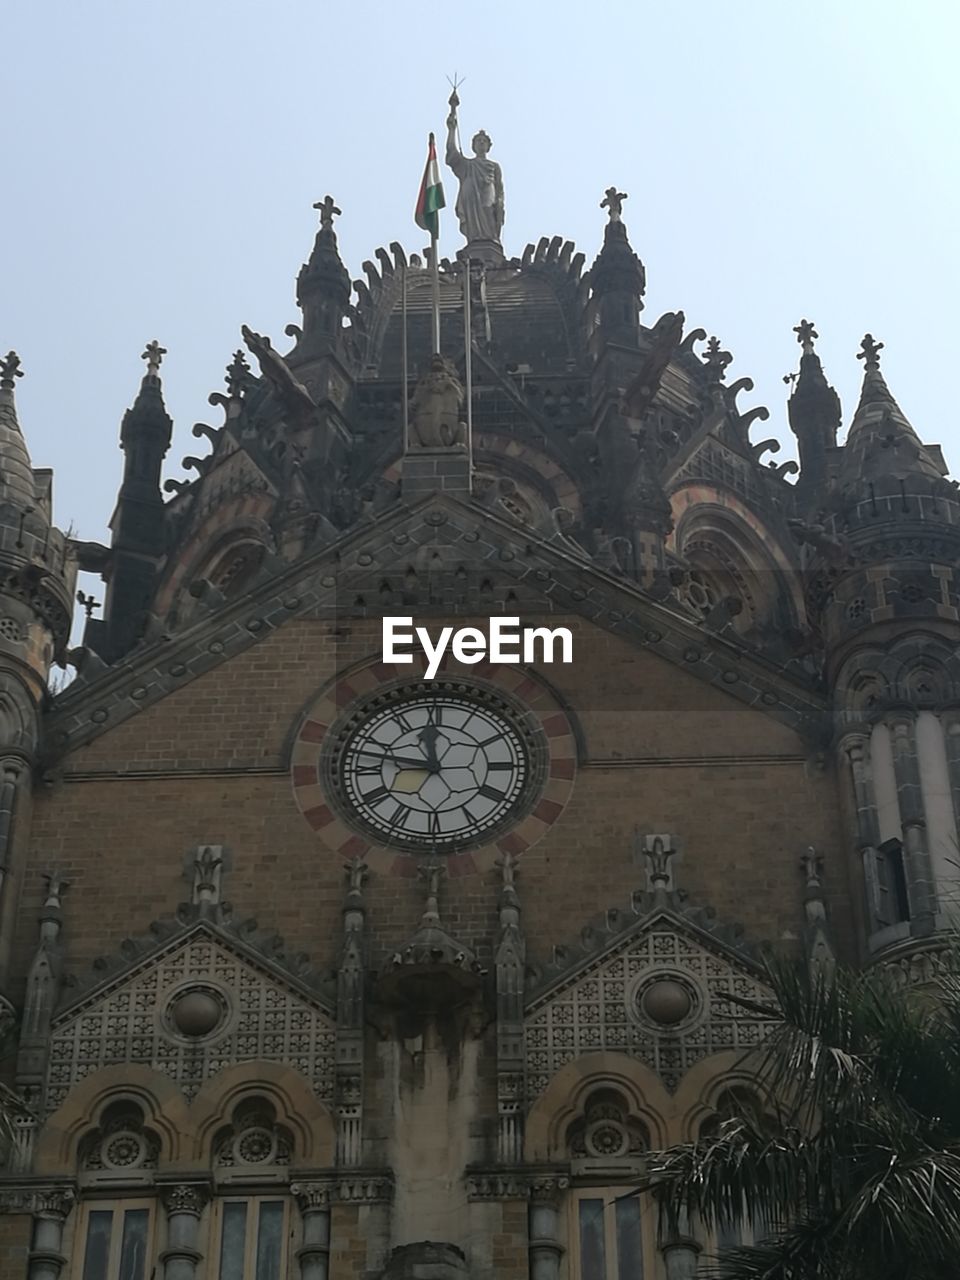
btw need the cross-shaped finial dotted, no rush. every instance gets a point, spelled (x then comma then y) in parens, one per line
(153, 353)
(805, 335)
(328, 211)
(613, 202)
(238, 371)
(88, 603)
(9, 369)
(869, 352)
(716, 359)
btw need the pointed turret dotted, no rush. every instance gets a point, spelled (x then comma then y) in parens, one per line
(37, 580)
(814, 412)
(881, 442)
(138, 525)
(36, 566)
(617, 278)
(17, 488)
(323, 290)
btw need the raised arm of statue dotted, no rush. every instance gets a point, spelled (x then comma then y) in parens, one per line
(454, 154)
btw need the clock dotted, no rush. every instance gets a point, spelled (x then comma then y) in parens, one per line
(439, 766)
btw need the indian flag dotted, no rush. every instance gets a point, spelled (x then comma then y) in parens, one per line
(430, 200)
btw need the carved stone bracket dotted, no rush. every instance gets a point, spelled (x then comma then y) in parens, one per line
(372, 1188)
(43, 1202)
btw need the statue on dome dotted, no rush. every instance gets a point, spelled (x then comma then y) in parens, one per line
(480, 199)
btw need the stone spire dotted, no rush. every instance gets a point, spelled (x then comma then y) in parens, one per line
(17, 488)
(138, 525)
(323, 289)
(881, 442)
(814, 412)
(617, 278)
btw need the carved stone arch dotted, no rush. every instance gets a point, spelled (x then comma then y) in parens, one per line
(702, 1089)
(254, 1140)
(863, 685)
(244, 520)
(122, 1145)
(606, 1128)
(161, 1104)
(18, 716)
(532, 468)
(565, 1099)
(296, 1110)
(717, 536)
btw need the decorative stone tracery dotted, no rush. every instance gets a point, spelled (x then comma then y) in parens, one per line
(132, 1021)
(610, 1005)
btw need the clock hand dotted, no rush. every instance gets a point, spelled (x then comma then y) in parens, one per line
(427, 737)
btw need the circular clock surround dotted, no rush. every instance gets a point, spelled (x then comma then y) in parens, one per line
(434, 767)
(534, 753)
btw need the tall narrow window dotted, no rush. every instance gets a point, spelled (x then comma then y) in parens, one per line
(614, 1235)
(252, 1239)
(117, 1241)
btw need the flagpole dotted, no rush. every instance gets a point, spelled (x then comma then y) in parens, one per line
(435, 262)
(406, 406)
(468, 354)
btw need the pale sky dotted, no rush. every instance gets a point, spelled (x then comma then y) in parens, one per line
(160, 163)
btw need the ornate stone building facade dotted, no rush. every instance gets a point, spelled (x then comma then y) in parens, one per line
(314, 968)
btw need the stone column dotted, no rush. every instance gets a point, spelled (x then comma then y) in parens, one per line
(855, 746)
(15, 805)
(950, 720)
(313, 1199)
(51, 1208)
(546, 1249)
(921, 889)
(184, 1204)
(679, 1248)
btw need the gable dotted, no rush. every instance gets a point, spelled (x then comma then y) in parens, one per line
(131, 1020)
(604, 1005)
(438, 535)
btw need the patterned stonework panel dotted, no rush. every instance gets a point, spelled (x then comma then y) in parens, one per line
(189, 1012)
(662, 998)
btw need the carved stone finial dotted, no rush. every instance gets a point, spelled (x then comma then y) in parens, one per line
(508, 869)
(869, 352)
(805, 335)
(56, 888)
(716, 360)
(613, 202)
(811, 863)
(431, 874)
(356, 870)
(9, 370)
(153, 353)
(207, 875)
(238, 372)
(328, 211)
(657, 850)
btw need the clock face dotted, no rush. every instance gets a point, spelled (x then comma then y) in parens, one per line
(432, 770)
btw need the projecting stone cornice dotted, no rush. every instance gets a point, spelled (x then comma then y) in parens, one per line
(324, 584)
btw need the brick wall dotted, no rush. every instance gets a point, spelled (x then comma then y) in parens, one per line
(664, 752)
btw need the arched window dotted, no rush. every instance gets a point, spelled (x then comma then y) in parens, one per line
(251, 1223)
(612, 1227)
(117, 1223)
